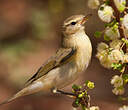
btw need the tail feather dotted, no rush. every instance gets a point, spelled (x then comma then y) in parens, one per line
(33, 88)
(21, 93)
(8, 100)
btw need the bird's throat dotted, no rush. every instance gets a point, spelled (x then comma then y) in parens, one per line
(81, 42)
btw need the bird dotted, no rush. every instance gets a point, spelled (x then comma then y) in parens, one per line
(66, 65)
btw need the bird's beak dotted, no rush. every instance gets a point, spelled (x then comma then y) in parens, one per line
(85, 19)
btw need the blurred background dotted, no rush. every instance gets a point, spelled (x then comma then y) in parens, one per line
(30, 33)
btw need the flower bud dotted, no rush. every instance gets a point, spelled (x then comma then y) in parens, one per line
(102, 46)
(118, 91)
(93, 4)
(124, 107)
(112, 33)
(117, 81)
(116, 44)
(120, 4)
(105, 13)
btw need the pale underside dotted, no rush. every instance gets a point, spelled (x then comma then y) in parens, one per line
(65, 74)
(62, 69)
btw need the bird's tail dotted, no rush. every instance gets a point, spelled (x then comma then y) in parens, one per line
(33, 88)
(22, 92)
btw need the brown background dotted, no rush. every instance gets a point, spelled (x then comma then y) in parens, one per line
(30, 33)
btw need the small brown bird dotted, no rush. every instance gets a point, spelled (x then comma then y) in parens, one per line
(66, 65)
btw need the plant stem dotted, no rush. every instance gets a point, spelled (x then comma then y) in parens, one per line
(118, 15)
(66, 93)
(120, 27)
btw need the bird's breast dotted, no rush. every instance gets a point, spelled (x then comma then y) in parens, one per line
(83, 55)
(82, 44)
(82, 59)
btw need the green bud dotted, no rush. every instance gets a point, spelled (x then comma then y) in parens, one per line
(122, 8)
(81, 95)
(77, 101)
(97, 34)
(106, 38)
(121, 19)
(115, 27)
(125, 41)
(125, 78)
(83, 107)
(101, 8)
(75, 87)
(117, 66)
(107, 2)
(90, 84)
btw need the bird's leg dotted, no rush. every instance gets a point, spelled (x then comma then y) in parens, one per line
(57, 91)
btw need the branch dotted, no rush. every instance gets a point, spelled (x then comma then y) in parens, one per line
(118, 15)
(120, 27)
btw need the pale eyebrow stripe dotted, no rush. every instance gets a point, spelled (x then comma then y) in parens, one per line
(71, 22)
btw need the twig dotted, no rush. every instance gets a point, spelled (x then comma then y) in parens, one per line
(118, 15)
(120, 27)
(67, 93)
(72, 95)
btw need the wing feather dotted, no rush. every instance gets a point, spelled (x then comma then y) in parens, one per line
(62, 55)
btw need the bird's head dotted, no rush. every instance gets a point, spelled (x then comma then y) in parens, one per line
(74, 23)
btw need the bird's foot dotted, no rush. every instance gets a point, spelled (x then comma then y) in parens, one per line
(57, 91)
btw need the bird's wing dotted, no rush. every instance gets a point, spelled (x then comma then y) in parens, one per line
(62, 55)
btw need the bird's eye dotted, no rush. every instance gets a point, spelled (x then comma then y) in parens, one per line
(73, 23)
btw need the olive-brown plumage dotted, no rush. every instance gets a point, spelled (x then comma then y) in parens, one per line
(66, 65)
